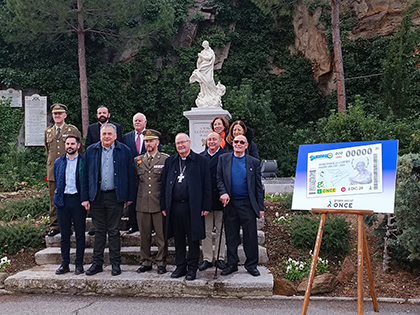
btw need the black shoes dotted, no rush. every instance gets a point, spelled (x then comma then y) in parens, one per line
(205, 265)
(220, 264)
(94, 269)
(254, 272)
(53, 232)
(144, 269)
(116, 269)
(179, 272)
(191, 275)
(229, 269)
(132, 230)
(79, 269)
(64, 268)
(161, 270)
(91, 232)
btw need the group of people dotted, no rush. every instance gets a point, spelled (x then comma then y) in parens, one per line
(185, 196)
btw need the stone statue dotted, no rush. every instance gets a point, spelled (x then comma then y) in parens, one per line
(210, 94)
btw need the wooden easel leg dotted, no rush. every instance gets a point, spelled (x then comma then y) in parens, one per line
(360, 264)
(369, 273)
(314, 263)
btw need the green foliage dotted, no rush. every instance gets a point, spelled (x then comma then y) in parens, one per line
(335, 240)
(11, 123)
(16, 236)
(401, 78)
(407, 207)
(28, 207)
(22, 168)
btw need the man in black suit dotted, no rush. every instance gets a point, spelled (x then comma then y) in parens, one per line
(185, 199)
(135, 141)
(93, 134)
(215, 217)
(241, 192)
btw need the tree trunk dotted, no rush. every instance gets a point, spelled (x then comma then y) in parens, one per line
(82, 69)
(338, 57)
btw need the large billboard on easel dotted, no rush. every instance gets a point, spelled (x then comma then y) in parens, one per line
(349, 175)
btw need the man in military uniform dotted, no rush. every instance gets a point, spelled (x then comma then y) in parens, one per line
(55, 146)
(149, 168)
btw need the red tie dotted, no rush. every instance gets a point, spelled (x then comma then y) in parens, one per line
(138, 143)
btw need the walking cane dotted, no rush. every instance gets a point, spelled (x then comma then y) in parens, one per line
(220, 242)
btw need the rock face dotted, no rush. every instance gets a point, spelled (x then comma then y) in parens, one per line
(375, 17)
(322, 284)
(347, 271)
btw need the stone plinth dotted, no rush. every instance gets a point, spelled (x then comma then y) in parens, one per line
(200, 119)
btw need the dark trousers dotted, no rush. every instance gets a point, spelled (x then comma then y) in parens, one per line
(106, 214)
(53, 210)
(180, 221)
(240, 213)
(132, 215)
(72, 212)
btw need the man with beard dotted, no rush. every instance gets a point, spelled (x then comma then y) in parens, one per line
(241, 192)
(93, 134)
(107, 186)
(55, 147)
(148, 169)
(185, 199)
(68, 176)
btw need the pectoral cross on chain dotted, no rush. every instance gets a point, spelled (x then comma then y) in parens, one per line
(180, 177)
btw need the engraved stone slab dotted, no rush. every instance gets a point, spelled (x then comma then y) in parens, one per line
(15, 96)
(35, 119)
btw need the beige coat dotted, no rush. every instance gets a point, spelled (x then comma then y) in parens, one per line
(148, 178)
(56, 146)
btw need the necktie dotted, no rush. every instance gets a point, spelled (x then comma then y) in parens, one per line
(58, 133)
(138, 143)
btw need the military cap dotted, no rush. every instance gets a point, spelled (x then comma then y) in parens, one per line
(58, 108)
(150, 134)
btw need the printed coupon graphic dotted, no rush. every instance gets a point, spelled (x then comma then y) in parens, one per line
(340, 172)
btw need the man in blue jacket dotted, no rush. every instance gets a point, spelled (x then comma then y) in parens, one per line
(67, 174)
(107, 186)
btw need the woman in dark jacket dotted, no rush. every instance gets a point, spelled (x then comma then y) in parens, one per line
(239, 128)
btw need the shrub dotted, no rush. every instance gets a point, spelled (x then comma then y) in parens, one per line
(336, 236)
(19, 208)
(14, 237)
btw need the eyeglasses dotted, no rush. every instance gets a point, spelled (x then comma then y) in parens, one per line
(181, 142)
(241, 142)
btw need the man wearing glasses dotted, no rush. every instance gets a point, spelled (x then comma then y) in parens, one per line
(241, 192)
(185, 199)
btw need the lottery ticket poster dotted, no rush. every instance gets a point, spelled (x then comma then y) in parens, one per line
(350, 175)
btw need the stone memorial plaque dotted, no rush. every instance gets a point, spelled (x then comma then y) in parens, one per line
(14, 95)
(35, 119)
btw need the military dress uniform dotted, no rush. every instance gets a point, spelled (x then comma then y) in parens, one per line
(55, 147)
(149, 216)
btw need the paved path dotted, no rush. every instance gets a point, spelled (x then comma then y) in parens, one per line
(103, 305)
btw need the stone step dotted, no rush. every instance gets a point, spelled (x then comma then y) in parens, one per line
(126, 239)
(129, 255)
(43, 280)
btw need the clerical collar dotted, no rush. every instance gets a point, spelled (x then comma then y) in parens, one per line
(208, 151)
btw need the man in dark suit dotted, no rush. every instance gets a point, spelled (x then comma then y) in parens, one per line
(185, 199)
(135, 141)
(93, 134)
(241, 192)
(107, 186)
(215, 217)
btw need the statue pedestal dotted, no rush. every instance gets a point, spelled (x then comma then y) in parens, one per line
(200, 119)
